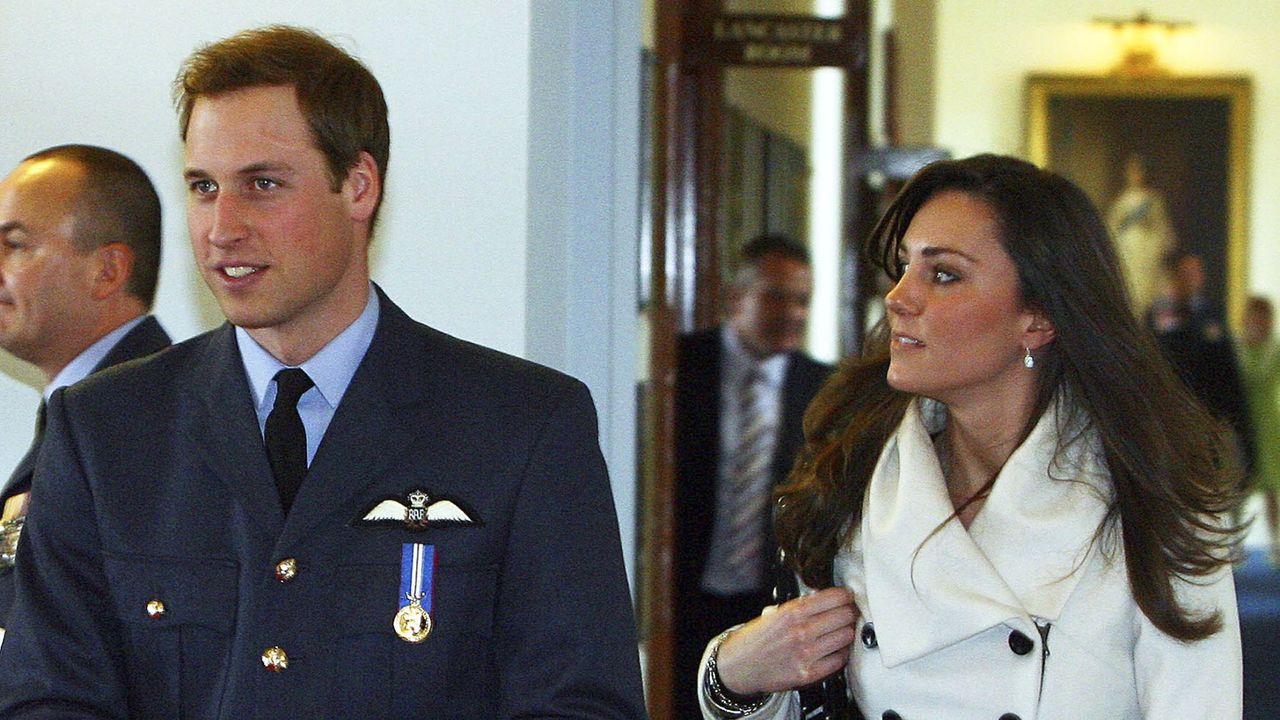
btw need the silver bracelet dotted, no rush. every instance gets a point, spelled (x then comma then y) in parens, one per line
(725, 705)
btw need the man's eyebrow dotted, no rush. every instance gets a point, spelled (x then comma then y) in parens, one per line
(252, 169)
(267, 167)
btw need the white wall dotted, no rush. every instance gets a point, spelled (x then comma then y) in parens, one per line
(454, 246)
(985, 48)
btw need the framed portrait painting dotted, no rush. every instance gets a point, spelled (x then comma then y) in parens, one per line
(1166, 160)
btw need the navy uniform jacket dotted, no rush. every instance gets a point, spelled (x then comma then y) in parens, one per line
(144, 339)
(164, 493)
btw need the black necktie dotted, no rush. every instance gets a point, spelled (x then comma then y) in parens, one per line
(286, 437)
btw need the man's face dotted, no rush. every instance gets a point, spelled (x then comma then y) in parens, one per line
(283, 253)
(1190, 276)
(46, 284)
(770, 312)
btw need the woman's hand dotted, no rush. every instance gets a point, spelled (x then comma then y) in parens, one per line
(791, 645)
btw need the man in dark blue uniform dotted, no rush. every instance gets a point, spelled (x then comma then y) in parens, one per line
(79, 257)
(346, 513)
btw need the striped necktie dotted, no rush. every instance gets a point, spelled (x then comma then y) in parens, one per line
(736, 563)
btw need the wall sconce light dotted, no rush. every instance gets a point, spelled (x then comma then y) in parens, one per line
(1138, 36)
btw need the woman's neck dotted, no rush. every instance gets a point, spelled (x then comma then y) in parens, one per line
(974, 447)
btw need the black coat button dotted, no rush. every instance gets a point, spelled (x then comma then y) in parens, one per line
(869, 636)
(1019, 643)
(890, 715)
(1009, 716)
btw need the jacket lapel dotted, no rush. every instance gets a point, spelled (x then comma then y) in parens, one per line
(145, 338)
(375, 424)
(930, 582)
(224, 429)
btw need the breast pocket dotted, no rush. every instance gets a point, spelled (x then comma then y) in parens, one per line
(448, 674)
(177, 616)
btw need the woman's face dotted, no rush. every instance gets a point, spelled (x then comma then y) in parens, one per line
(959, 327)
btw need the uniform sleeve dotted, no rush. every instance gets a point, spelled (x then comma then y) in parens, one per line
(1193, 679)
(565, 631)
(60, 651)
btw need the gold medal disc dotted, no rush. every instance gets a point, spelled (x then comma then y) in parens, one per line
(412, 623)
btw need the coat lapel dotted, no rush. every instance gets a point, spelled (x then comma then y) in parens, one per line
(1039, 524)
(224, 429)
(931, 583)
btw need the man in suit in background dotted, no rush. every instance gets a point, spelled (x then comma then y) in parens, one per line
(741, 392)
(322, 508)
(79, 257)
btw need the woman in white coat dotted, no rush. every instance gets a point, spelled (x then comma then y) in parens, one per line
(1015, 508)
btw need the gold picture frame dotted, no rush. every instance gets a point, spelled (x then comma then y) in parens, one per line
(1191, 133)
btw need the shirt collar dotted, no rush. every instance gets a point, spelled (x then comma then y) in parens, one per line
(84, 363)
(331, 369)
(738, 361)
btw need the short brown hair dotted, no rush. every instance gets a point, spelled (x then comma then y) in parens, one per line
(341, 100)
(116, 203)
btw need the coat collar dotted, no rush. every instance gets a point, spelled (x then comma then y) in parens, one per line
(369, 430)
(929, 582)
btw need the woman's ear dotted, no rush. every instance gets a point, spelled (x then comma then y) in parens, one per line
(1039, 332)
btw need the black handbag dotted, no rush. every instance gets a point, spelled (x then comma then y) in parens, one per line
(827, 699)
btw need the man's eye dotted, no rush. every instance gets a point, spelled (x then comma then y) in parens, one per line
(264, 184)
(203, 187)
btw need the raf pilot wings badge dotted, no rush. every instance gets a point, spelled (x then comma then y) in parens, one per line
(422, 511)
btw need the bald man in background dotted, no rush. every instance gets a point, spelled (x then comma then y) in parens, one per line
(79, 256)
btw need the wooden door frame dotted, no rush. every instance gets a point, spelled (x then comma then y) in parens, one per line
(688, 89)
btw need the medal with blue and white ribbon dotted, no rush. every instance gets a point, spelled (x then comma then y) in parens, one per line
(417, 573)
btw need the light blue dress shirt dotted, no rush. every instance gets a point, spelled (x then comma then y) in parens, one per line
(331, 370)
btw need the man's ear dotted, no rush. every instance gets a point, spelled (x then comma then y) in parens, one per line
(112, 267)
(363, 186)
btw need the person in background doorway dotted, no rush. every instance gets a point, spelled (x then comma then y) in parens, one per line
(741, 392)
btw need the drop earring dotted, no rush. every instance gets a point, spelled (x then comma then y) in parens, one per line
(1027, 360)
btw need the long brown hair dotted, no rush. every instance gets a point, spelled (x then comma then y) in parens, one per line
(1173, 490)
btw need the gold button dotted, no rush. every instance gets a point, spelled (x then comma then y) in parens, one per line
(275, 659)
(155, 609)
(286, 569)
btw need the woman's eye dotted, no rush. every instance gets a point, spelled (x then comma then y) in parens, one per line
(942, 277)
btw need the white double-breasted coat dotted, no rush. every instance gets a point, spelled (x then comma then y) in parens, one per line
(1025, 615)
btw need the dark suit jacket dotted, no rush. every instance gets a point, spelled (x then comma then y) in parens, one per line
(1200, 349)
(164, 493)
(144, 339)
(697, 436)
